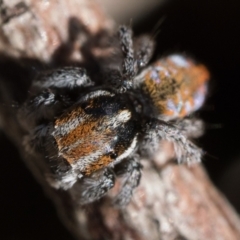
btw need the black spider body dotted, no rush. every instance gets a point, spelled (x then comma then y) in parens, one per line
(93, 133)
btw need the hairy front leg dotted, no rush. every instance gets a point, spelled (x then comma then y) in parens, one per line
(66, 77)
(50, 94)
(94, 187)
(130, 171)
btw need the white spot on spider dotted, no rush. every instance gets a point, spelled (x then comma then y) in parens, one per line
(188, 107)
(179, 60)
(172, 107)
(155, 75)
(123, 116)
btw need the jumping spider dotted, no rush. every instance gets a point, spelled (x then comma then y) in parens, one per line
(91, 133)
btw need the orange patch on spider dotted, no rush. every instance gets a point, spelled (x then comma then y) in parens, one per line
(99, 164)
(177, 86)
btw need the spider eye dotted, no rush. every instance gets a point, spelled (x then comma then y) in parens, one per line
(113, 155)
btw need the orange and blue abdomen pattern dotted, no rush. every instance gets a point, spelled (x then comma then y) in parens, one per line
(175, 85)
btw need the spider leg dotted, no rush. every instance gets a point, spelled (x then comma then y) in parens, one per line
(38, 143)
(67, 77)
(126, 42)
(137, 54)
(41, 107)
(46, 100)
(132, 63)
(123, 79)
(190, 127)
(90, 189)
(157, 130)
(130, 170)
(144, 48)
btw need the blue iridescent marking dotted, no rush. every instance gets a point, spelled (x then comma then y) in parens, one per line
(155, 76)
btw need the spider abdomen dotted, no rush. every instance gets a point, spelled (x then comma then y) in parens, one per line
(175, 85)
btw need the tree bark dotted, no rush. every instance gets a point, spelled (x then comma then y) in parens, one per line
(172, 201)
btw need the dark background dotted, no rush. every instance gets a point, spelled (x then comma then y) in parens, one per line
(208, 31)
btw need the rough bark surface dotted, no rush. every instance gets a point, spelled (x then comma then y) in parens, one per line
(172, 201)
